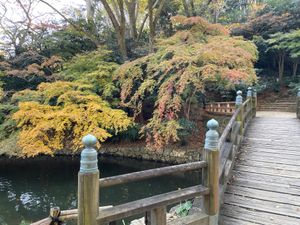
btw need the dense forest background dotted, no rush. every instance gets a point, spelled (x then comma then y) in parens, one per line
(130, 69)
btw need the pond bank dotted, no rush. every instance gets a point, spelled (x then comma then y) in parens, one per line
(169, 155)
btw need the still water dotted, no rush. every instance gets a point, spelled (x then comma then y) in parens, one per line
(28, 188)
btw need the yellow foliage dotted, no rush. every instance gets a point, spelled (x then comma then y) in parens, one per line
(47, 129)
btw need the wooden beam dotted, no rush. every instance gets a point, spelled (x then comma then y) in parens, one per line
(146, 174)
(159, 216)
(148, 204)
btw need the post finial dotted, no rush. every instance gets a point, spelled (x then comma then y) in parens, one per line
(55, 214)
(89, 141)
(89, 156)
(212, 135)
(254, 92)
(239, 98)
(298, 94)
(249, 92)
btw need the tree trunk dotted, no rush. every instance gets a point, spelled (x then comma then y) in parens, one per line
(281, 59)
(193, 8)
(132, 14)
(119, 26)
(90, 13)
(122, 41)
(295, 68)
(153, 19)
(151, 26)
(186, 8)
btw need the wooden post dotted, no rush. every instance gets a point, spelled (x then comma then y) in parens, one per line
(88, 183)
(298, 104)
(54, 215)
(158, 216)
(239, 104)
(249, 96)
(211, 174)
(254, 102)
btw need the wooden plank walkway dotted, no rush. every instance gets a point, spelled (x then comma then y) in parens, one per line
(265, 187)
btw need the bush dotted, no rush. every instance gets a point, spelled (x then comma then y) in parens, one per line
(95, 68)
(7, 128)
(6, 110)
(131, 135)
(187, 128)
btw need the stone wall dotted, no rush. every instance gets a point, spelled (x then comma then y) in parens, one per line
(170, 155)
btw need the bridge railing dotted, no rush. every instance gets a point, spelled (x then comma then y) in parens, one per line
(232, 136)
(298, 104)
(218, 160)
(220, 108)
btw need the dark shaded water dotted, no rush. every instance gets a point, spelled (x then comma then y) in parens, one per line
(28, 188)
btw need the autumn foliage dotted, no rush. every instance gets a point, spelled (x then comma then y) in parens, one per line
(196, 55)
(65, 112)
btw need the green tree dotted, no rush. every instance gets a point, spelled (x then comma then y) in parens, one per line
(293, 47)
(284, 45)
(277, 45)
(94, 68)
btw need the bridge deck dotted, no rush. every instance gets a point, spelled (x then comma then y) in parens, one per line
(265, 188)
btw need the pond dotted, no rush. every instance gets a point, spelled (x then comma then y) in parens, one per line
(29, 187)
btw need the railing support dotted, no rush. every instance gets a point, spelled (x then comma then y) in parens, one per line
(298, 104)
(250, 97)
(254, 102)
(54, 215)
(211, 175)
(88, 183)
(158, 216)
(239, 104)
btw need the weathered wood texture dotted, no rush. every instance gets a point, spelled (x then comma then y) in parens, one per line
(146, 174)
(88, 198)
(265, 184)
(149, 204)
(66, 215)
(194, 219)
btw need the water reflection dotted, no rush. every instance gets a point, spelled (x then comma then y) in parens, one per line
(28, 188)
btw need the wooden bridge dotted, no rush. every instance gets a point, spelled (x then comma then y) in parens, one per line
(250, 175)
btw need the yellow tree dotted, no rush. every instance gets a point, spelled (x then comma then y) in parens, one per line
(65, 112)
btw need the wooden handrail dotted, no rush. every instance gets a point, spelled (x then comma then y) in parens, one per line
(228, 128)
(232, 102)
(246, 102)
(235, 128)
(146, 174)
(71, 214)
(147, 204)
(298, 104)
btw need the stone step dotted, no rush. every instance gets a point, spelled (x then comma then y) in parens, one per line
(276, 110)
(279, 107)
(284, 104)
(284, 101)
